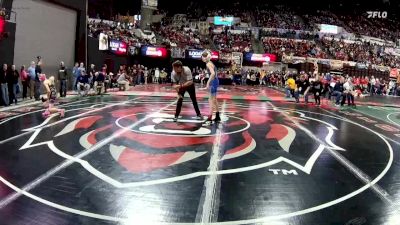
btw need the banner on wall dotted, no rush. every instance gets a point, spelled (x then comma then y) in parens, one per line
(225, 57)
(196, 54)
(2, 24)
(336, 64)
(157, 52)
(252, 57)
(118, 47)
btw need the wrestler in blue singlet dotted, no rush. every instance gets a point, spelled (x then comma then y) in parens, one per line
(214, 83)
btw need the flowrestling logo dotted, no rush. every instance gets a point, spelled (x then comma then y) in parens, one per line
(377, 14)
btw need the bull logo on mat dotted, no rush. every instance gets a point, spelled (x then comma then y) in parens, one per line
(151, 143)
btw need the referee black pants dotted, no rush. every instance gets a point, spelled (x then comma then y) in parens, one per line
(192, 93)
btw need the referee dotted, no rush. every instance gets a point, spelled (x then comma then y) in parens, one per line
(183, 79)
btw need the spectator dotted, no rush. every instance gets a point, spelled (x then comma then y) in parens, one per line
(107, 79)
(303, 88)
(75, 73)
(38, 72)
(92, 71)
(146, 74)
(83, 84)
(4, 86)
(63, 77)
(81, 69)
(372, 84)
(392, 84)
(99, 81)
(163, 76)
(291, 87)
(32, 79)
(122, 79)
(348, 92)
(338, 91)
(157, 76)
(13, 80)
(317, 89)
(24, 81)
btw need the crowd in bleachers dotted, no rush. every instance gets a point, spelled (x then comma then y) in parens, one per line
(322, 17)
(291, 34)
(237, 11)
(281, 18)
(117, 31)
(296, 33)
(232, 42)
(361, 52)
(385, 29)
(183, 37)
(302, 48)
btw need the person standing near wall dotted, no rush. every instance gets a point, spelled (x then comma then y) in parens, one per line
(81, 69)
(157, 76)
(106, 77)
(146, 75)
(31, 77)
(38, 71)
(24, 81)
(4, 87)
(12, 80)
(163, 76)
(63, 77)
(92, 71)
(75, 73)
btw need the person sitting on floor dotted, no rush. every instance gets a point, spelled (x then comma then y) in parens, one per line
(122, 80)
(83, 84)
(338, 91)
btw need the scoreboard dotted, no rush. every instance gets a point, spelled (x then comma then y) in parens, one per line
(150, 3)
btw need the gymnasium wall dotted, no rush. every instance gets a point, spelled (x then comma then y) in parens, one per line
(47, 30)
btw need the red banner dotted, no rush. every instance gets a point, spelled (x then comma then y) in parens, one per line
(260, 57)
(2, 24)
